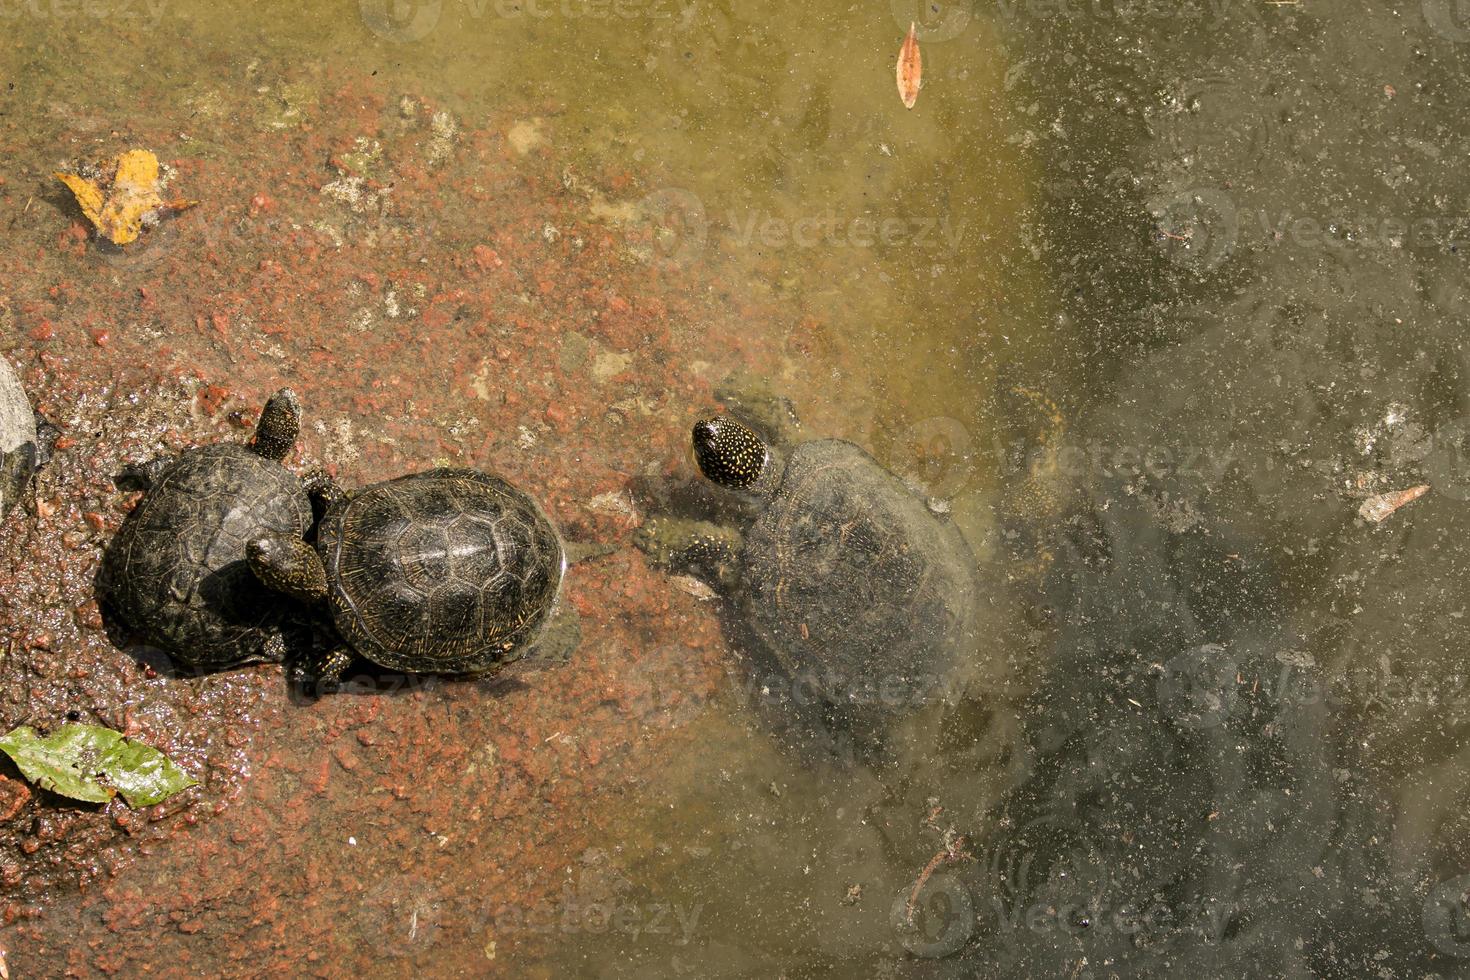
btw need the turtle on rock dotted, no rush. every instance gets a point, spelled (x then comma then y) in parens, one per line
(176, 572)
(448, 571)
(848, 579)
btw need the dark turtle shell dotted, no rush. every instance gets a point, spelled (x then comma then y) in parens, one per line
(176, 571)
(851, 579)
(446, 571)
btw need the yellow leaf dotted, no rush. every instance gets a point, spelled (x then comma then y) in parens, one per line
(87, 195)
(121, 203)
(137, 169)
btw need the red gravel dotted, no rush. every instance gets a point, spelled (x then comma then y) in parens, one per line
(469, 311)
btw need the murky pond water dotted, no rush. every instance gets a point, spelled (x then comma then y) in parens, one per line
(1160, 305)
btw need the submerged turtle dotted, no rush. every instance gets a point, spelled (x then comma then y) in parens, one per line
(176, 572)
(845, 575)
(445, 571)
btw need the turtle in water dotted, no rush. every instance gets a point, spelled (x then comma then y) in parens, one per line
(450, 571)
(176, 572)
(852, 583)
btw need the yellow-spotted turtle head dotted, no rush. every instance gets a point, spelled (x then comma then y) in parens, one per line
(729, 453)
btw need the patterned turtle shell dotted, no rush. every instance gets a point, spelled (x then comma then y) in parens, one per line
(849, 575)
(445, 571)
(176, 571)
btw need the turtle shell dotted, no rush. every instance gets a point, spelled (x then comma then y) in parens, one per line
(446, 571)
(852, 581)
(176, 572)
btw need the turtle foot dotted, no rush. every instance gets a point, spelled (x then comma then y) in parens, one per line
(320, 673)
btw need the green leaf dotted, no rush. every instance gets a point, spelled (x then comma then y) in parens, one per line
(87, 762)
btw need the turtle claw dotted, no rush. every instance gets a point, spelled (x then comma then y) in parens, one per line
(679, 544)
(321, 673)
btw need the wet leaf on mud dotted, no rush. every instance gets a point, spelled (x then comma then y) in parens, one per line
(910, 69)
(91, 763)
(121, 197)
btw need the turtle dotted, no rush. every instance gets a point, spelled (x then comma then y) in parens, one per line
(445, 571)
(845, 576)
(176, 572)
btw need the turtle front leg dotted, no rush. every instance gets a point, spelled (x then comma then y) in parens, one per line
(710, 551)
(321, 672)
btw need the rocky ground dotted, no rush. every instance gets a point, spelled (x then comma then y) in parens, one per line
(436, 293)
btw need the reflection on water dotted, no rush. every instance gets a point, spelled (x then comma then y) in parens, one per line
(1215, 722)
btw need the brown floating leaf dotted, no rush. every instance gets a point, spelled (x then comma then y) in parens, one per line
(910, 68)
(1378, 507)
(123, 197)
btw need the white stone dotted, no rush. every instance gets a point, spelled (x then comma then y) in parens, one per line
(17, 433)
(17, 423)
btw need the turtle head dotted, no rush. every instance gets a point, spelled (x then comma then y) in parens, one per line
(279, 424)
(729, 453)
(288, 565)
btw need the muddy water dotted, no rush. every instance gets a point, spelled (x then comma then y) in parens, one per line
(1151, 298)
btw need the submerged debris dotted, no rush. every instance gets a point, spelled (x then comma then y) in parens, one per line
(910, 68)
(1380, 506)
(120, 198)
